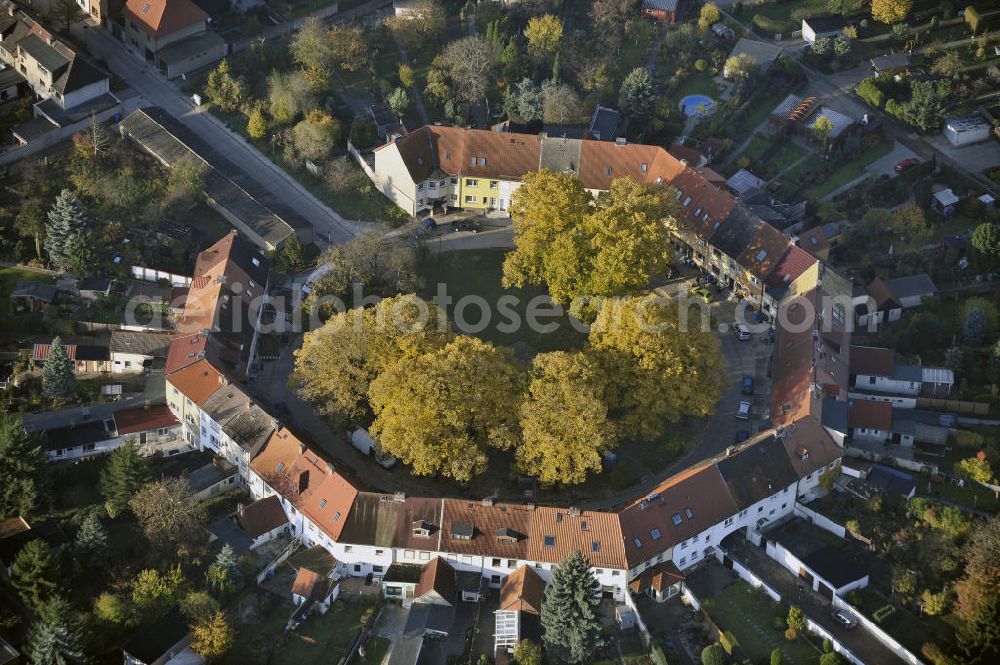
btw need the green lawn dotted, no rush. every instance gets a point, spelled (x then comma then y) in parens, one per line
(776, 17)
(848, 171)
(972, 495)
(375, 650)
(749, 614)
(788, 154)
(696, 83)
(9, 277)
(478, 273)
(321, 639)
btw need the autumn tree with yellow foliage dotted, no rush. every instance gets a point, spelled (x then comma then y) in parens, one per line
(440, 412)
(337, 362)
(213, 636)
(657, 373)
(564, 419)
(581, 247)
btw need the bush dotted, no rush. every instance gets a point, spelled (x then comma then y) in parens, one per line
(961, 438)
(659, 658)
(869, 91)
(881, 614)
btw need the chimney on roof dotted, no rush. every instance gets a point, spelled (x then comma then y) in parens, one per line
(399, 497)
(684, 163)
(487, 502)
(329, 468)
(620, 142)
(574, 512)
(529, 506)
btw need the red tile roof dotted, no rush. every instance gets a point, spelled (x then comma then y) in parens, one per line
(793, 263)
(522, 591)
(872, 360)
(197, 381)
(262, 516)
(437, 576)
(658, 578)
(130, 421)
(680, 507)
(556, 532)
(304, 583)
(870, 414)
(158, 18)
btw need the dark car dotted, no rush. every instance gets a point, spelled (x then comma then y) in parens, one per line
(748, 385)
(471, 227)
(844, 619)
(906, 165)
(741, 436)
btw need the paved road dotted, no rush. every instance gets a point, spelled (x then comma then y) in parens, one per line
(329, 226)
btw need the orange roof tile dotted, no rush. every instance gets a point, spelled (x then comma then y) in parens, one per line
(499, 530)
(129, 421)
(522, 591)
(197, 381)
(871, 414)
(437, 576)
(557, 532)
(163, 17)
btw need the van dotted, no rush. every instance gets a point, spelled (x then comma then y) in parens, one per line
(743, 413)
(368, 446)
(742, 332)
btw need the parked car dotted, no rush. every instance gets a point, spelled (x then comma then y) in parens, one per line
(743, 412)
(906, 164)
(466, 225)
(428, 224)
(741, 436)
(845, 619)
(368, 446)
(742, 333)
(748, 385)
(947, 420)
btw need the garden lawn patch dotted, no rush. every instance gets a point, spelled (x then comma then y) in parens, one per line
(848, 171)
(696, 83)
(375, 650)
(787, 154)
(749, 614)
(478, 273)
(972, 496)
(9, 277)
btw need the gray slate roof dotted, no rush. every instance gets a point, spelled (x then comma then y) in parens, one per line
(912, 285)
(170, 141)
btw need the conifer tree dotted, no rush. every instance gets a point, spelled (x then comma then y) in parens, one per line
(66, 219)
(124, 474)
(22, 462)
(58, 382)
(224, 573)
(34, 574)
(637, 97)
(571, 626)
(92, 541)
(54, 639)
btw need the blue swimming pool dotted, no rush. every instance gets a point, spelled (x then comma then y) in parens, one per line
(699, 105)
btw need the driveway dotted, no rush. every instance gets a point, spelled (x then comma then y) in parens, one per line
(886, 165)
(156, 90)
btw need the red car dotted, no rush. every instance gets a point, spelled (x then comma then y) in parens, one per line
(906, 164)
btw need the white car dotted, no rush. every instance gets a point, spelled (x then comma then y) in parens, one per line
(743, 413)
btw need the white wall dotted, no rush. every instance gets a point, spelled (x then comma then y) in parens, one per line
(84, 94)
(886, 384)
(896, 400)
(873, 629)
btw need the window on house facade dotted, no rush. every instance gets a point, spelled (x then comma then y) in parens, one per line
(471, 182)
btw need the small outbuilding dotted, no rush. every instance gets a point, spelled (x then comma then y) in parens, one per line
(966, 130)
(664, 11)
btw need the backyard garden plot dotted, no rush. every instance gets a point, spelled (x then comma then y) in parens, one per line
(754, 619)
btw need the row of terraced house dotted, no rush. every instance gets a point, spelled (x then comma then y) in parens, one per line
(643, 547)
(436, 166)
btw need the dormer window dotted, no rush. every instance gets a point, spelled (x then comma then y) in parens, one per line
(422, 528)
(644, 167)
(655, 533)
(462, 531)
(507, 535)
(697, 212)
(761, 255)
(677, 519)
(688, 513)
(609, 171)
(322, 504)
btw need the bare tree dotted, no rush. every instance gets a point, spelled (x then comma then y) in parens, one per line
(471, 62)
